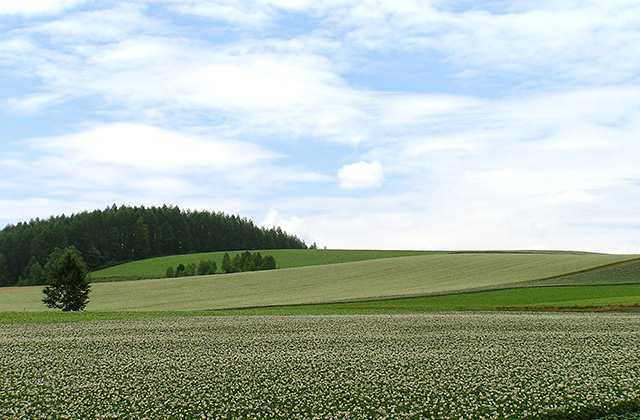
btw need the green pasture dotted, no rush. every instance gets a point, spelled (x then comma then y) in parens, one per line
(414, 276)
(154, 268)
(550, 297)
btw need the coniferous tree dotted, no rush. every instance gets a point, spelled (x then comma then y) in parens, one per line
(68, 287)
(140, 242)
(236, 264)
(119, 234)
(180, 270)
(4, 271)
(257, 261)
(206, 267)
(226, 263)
(190, 269)
(268, 263)
(52, 260)
(33, 275)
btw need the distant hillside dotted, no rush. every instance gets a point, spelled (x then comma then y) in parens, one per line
(154, 268)
(376, 279)
(119, 234)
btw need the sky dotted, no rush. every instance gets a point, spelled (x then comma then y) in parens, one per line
(365, 124)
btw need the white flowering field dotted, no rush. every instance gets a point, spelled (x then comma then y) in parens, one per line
(435, 366)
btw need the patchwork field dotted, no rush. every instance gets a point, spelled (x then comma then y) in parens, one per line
(286, 258)
(383, 278)
(385, 340)
(438, 366)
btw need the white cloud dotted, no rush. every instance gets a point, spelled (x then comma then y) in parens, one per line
(134, 162)
(148, 148)
(33, 103)
(521, 169)
(361, 175)
(33, 7)
(294, 225)
(81, 28)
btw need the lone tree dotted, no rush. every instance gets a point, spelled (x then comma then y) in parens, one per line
(68, 287)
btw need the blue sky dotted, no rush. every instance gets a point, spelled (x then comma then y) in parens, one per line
(393, 124)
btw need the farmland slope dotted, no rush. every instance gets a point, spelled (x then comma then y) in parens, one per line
(154, 268)
(361, 280)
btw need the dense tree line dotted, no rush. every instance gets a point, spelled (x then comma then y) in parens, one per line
(119, 234)
(247, 262)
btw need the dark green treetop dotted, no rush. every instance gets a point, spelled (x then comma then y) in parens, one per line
(68, 288)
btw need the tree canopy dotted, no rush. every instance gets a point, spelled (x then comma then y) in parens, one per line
(68, 288)
(120, 234)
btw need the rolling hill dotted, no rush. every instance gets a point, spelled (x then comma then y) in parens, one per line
(153, 268)
(418, 276)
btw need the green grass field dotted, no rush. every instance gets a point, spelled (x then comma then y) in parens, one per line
(418, 276)
(153, 268)
(625, 297)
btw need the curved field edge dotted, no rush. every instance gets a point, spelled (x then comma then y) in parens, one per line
(580, 298)
(438, 274)
(154, 268)
(392, 277)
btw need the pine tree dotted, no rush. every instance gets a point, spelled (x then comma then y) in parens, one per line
(226, 263)
(204, 268)
(68, 287)
(268, 263)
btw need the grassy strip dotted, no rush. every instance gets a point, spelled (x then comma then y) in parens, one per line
(617, 297)
(54, 317)
(554, 298)
(626, 272)
(361, 280)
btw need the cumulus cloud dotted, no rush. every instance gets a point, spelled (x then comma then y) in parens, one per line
(293, 225)
(361, 175)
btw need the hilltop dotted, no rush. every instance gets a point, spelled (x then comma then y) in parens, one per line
(120, 234)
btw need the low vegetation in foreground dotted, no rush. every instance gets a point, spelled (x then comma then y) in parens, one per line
(438, 366)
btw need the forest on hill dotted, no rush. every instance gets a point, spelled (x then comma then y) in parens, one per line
(120, 234)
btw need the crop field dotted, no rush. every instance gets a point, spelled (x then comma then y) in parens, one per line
(286, 258)
(361, 280)
(438, 366)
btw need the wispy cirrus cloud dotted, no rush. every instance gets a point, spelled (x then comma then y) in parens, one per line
(36, 7)
(135, 159)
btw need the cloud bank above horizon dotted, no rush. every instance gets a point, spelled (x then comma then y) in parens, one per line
(353, 124)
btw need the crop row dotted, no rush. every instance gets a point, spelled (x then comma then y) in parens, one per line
(438, 366)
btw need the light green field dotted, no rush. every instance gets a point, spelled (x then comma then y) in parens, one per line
(154, 268)
(551, 297)
(356, 281)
